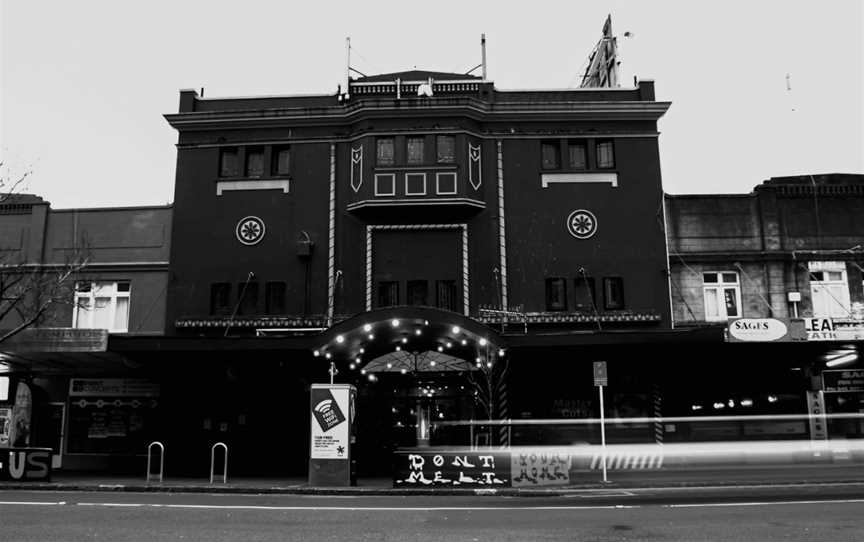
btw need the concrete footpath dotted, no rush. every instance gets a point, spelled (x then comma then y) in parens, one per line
(618, 480)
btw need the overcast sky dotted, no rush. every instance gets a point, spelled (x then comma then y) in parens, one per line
(85, 83)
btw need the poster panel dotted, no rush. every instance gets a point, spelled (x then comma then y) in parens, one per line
(330, 424)
(5, 426)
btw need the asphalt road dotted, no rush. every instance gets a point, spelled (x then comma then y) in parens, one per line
(832, 512)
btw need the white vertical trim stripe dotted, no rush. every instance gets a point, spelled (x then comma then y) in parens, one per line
(331, 240)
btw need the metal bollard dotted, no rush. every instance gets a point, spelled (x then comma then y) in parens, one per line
(224, 464)
(161, 458)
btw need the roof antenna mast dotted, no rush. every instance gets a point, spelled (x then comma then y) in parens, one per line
(483, 53)
(347, 65)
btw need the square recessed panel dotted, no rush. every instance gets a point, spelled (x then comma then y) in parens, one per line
(445, 184)
(415, 184)
(385, 184)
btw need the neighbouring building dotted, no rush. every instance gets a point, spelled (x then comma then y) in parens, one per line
(100, 273)
(789, 256)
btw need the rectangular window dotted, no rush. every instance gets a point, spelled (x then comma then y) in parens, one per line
(550, 152)
(229, 162)
(829, 290)
(722, 295)
(445, 295)
(415, 184)
(415, 151)
(4, 396)
(220, 299)
(613, 293)
(274, 300)
(445, 149)
(418, 292)
(102, 305)
(247, 298)
(605, 154)
(384, 155)
(583, 294)
(445, 183)
(556, 294)
(388, 293)
(385, 184)
(281, 161)
(577, 155)
(254, 161)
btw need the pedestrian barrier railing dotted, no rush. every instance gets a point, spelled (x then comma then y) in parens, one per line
(224, 461)
(161, 447)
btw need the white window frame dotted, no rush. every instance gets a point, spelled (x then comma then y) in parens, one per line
(392, 177)
(82, 317)
(422, 176)
(438, 177)
(717, 289)
(838, 301)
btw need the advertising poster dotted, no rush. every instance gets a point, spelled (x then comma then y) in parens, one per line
(5, 426)
(330, 424)
(21, 415)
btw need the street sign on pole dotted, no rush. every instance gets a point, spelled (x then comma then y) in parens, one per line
(601, 380)
(600, 376)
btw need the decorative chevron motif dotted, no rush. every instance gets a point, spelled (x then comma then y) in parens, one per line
(474, 166)
(357, 168)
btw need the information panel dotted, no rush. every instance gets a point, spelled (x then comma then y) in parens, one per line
(330, 424)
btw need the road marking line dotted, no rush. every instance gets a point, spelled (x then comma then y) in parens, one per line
(34, 503)
(762, 503)
(355, 508)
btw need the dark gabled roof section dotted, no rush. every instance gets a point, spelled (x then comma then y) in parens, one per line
(416, 75)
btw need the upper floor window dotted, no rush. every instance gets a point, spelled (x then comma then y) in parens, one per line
(418, 292)
(829, 290)
(446, 293)
(384, 151)
(445, 149)
(605, 154)
(255, 161)
(722, 294)
(229, 162)
(550, 153)
(274, 298)
(556, 294)
(220, 299)
(4, 388)
(388, 293)
(102, 305)
(415, 147)
(247, 298)
(613, 293)
(583, 294)
(281, 161)
(577, 155)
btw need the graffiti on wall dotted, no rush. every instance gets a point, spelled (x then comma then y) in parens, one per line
(473, 469)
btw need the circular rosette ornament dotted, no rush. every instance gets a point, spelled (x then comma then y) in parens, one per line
(250, 230)
(582, 224)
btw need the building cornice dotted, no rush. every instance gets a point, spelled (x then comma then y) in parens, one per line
(385, 108)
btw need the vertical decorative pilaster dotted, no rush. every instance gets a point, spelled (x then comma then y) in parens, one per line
(502, 239)
(331, 240)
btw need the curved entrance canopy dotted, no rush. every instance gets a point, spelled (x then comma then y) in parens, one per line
(410, 338)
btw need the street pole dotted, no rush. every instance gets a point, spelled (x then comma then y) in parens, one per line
(603, 434)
